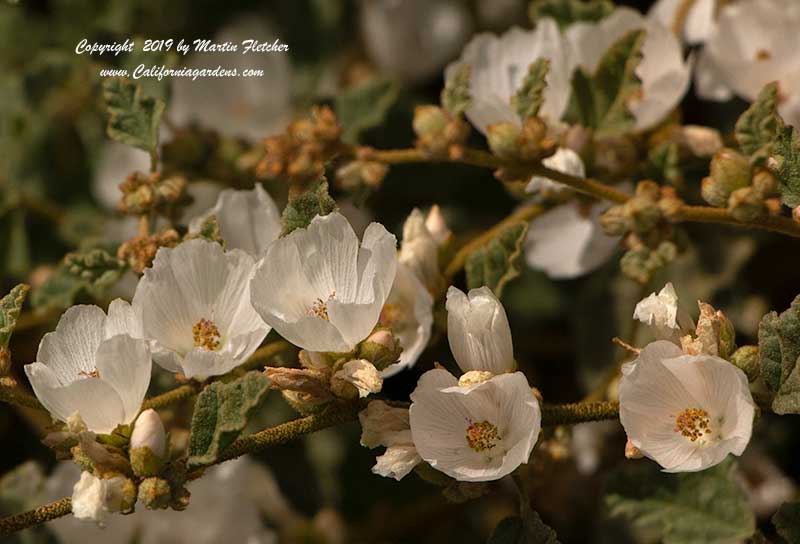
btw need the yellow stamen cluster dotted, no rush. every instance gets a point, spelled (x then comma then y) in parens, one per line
(482, 436)
(693, 424)
(93, 374)
(320, 307)
(206, 335)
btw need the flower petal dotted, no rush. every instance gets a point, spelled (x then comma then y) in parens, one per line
(397, 462)
(71, 348)
(124, 363)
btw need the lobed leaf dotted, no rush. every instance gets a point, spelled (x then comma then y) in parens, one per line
(133, 118)
(88, 273)
(10, 307)
(221, 413)
(455, 95)
(757, 127)
(530, 96)
(778, 352)
(498, 262)
(785, 164)
(304, 207)
(364, 106)
(566, 12)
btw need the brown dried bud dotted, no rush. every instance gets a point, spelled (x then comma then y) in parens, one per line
(148, 193)
(746, 204)
(140, 251)
(357, 174)
(437, 131)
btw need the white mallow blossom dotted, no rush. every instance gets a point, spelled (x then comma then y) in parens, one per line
(195, 305)
(498, 66)
(420, 250)
(319, 289)
(686, 412)
(694, 24)
(94, 498)
(408, 312)
(662, 70)
(663, 314)
(248, 220)
(384, 425)
(478, 331)
(477, 432)
(91, 365)
(754, 42)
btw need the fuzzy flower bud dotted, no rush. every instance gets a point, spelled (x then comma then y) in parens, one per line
(437, 131)
(155, 493)
(729, 171)
(357, 174)
(148, 444)
(746, 204)
(437, 225)
(381, 349)
(765, 182)
(504, 140)
(701, 141)
(746, 358)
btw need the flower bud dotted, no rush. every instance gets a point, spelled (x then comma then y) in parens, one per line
(643, 214)
(765, 182)
(148, 444)
(437, 225)
(437, 131)
(533, 143)
(428, 120)
(746, 204)
(746, 358)
(615, 221)
(357, 174)
(701, 141)
(729, 171)
(381, 349)
(504, 139)
(155, 493)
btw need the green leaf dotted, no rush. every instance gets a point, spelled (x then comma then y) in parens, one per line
(364, 106)
(133, 118)
(601, 101)
(497, 263)
(787, 521)
(10, 307)
(707, 506)
(301, 209)
(757, 128)
(778, 352)
(528, 530)
(455, 95)
(566, 12)
(785, 164)
(664, 164)
(89, 273)
(530, 95)
(221, 413)
(209, 230)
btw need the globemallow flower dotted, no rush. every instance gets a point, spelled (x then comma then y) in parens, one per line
(319, 289)
(661, 312)
(498, 66)
(478, 331)
(662, 70)
(420, 250)
(90, 365)
(408, 312)
(686, 412)
(94, 498)
(694, 24)
(384, 425)
(195, 305)
(478, 432)
(753, 43)
(248, 220)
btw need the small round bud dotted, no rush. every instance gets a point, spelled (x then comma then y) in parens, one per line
(746, 358)
(615, 221)
(643, 214)
(701, 141)
(765, 183)
(746, 204)
(504, 140)
(381, 349)
(729, 171)
(155, 493)
(429, 120)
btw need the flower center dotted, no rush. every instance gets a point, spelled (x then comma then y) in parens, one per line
(763, 54)
(93, 374)
(206, 335)
(693, 423)
(481, 436)
(320, 307)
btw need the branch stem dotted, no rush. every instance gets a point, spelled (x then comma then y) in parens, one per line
(42, 514)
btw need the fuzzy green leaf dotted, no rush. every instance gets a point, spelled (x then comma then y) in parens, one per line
(757, 127)
(601, 101)
(497, 263)
(566, 12)
(133, 118)
(530, 96)
(10, 307)
(664, 164)
(528, 530)
(785, 164)
(778, 351)
(787, 521)
(304, 207)
(209, 230)
(685, 508)
(221, 413)
(364, 107)
(87, 273)
(455, 95)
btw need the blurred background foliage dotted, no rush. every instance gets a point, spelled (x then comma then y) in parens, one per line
(52, 143)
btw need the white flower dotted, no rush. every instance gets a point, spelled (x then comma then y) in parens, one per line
(686, 412)
(360, 375)
(409, 313)
(498, 66)
(437, 225)
(384, 425)
(476, 433)
(563, 160)
(568, 241)
(248, 220)
(319, 290)
(237, 106)
(91, 365)
(195, 304)
(413, 39)
(420, 250)
(753, 43)
(116, 161)
(478, 331)
(148, 432)
(695, 24)
(94, 498)
(662, 70)
(661, 312)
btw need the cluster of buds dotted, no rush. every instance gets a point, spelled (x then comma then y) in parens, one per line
(439, 134)
(150, 194)
(733, 184)
(326, 377)
(140, 251)
(613, 158)
(527, 143)
(92, 264)
(300, 154)
(361, 174)
(714, 334)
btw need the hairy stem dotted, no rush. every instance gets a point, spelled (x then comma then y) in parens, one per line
(579, 412)
(12, 393)
(39, 515)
